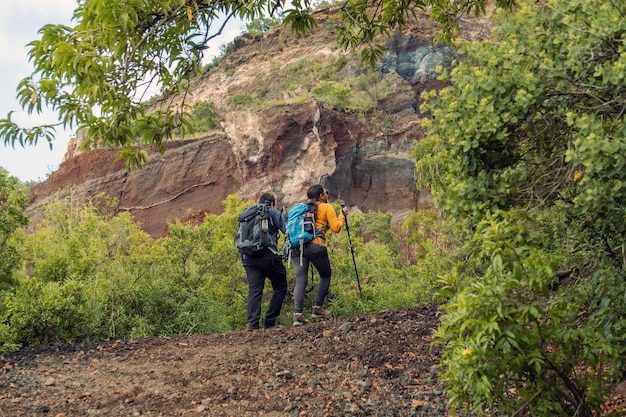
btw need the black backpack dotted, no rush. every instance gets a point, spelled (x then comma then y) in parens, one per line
(253, 237)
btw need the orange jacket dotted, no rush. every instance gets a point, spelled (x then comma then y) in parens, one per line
(326, 219)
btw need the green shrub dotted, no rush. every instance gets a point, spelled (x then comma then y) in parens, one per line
(386, 280)
(257, 27)
(89, 275)
(529, 165)
(204, 117)
(524, 338)
(8, 339)
(13, 201)
(333, 93)
(240, 100)
(39, 313)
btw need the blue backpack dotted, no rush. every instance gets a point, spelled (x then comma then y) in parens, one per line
(300, 227)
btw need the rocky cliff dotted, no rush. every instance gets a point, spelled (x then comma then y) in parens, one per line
(283, 139)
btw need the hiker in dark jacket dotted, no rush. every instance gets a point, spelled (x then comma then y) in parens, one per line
(315, 252)
(268, 265)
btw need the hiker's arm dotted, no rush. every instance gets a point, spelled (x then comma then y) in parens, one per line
(278, 220)
(335, 223)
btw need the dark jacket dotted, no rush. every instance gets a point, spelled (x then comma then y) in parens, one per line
(278, 222)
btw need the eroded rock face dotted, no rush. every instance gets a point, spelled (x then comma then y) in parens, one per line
(282, 150)
(415, 57)
(362, 158)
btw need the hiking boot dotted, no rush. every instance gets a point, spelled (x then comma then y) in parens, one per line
(274, 326)
(299, 319)
(320, 313)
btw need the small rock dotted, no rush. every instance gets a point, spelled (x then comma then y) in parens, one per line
(418, 403)
(284, 374)
(351, 408)
(49, 382)
(345, 327)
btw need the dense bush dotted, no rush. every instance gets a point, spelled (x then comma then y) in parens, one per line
(204, 117)
(88, 275)
(525, 156)
(13, 200)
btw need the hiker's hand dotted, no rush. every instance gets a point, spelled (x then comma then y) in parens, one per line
(344, 210)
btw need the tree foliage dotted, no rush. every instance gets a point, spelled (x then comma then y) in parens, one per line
(257, 27)
(525, 150)
(96, 74)
(13, 200)
(204, 117)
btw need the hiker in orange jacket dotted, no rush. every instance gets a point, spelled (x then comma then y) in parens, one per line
(315, 252)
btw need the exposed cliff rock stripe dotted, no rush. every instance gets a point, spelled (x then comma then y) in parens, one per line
(165, 201)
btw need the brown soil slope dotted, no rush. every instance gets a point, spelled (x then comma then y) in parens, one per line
(377, 365)
(381, 364)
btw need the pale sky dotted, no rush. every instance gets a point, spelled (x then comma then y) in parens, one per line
(19, 23)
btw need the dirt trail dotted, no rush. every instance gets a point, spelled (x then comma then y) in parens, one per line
(378, 365)
(381, 364)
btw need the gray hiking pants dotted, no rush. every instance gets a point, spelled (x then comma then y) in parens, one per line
(318, 256)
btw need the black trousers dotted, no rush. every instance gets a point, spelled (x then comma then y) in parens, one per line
(257, 269)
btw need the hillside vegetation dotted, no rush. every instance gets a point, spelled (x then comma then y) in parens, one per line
(86, 275)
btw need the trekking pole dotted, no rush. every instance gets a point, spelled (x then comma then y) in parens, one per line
(358, 281)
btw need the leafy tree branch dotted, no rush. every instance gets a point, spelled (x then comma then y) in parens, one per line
(96, 74)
